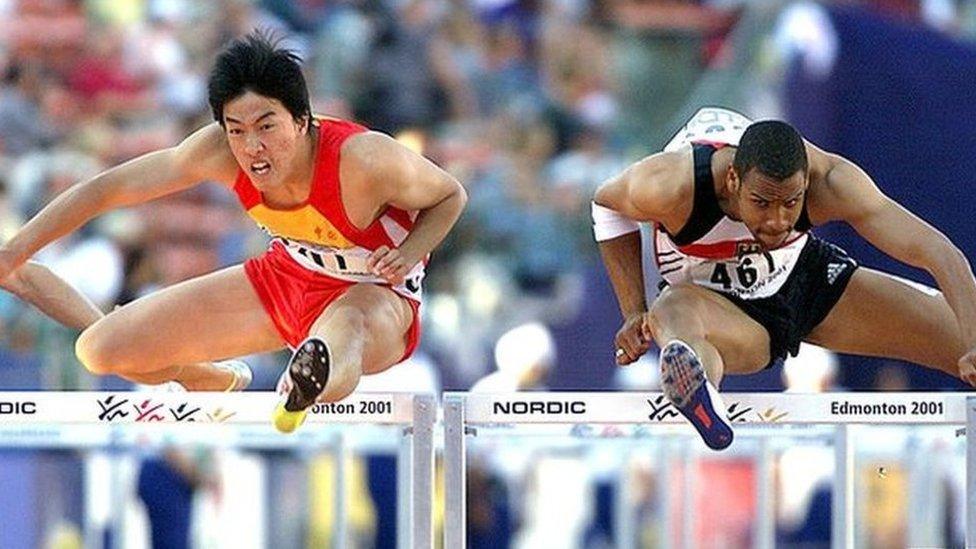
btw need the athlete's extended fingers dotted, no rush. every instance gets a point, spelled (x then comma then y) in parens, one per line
(387, 261)
(396, 278)
(970, 379)
(967, 368)
(375, 257)
(394, 270)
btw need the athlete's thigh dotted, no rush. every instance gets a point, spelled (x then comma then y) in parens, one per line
(211, 317)
(742, 342)
(386, 317)
(882, 315)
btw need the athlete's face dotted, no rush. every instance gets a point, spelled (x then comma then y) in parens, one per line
(769, 207)
(265, 138)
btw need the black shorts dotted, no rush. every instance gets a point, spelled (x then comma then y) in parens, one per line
(813, 288)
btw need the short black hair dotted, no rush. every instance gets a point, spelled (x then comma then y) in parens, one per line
(258, 63)
(773, 147)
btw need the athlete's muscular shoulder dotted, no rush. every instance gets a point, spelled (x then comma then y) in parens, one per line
(656, 188)
(391, 173)
(205, 155)
(368, 164)
(369, 151)
(839, 190)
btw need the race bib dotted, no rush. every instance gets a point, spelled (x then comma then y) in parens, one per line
(751, 273)
(349, 264)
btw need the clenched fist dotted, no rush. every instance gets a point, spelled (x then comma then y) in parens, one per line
(631, 340)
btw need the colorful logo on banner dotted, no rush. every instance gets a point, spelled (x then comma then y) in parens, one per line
(663, 410)
(117, 409)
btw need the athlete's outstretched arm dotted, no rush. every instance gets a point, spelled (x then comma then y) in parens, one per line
(406, 180)
(851, 195)
(201, 156)
(640, 193)
(37, 285)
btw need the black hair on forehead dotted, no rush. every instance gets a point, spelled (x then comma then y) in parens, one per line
(258, 63)
(773, 147)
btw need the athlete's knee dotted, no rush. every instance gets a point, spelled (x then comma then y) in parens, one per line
(349, 320)
(98, 352)
(678, 307)
(344, 357)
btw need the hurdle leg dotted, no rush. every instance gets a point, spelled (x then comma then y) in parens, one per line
(455, 465)
(842, 527)
(971, 472)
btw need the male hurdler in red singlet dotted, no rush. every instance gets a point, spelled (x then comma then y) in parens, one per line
(353, 215)
(731, 203)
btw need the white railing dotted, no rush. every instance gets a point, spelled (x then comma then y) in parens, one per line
(464, 413)
(118, 420)
(126, 419)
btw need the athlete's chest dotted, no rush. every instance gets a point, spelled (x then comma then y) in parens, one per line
(306, 223)
(362, 201)
(728, 259)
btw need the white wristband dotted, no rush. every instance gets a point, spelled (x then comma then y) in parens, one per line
(608, 224)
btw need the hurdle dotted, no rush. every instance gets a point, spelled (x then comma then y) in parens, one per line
(115, 421)
(762, 415)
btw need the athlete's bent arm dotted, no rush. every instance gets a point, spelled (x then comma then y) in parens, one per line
(641, 193)
(406, 180)
(201, 156)
(852, 196)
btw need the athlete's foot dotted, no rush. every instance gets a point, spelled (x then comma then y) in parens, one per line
(168, 387)
(240, 371)
(308, 372)
(223, 376)
(684, 383)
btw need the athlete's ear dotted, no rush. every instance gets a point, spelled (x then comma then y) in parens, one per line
(732, 181)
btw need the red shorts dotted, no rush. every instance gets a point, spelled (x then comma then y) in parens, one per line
(294, 296)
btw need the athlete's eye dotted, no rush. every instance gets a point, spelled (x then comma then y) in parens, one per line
(761, 203)
(234, 131)
(792, 203)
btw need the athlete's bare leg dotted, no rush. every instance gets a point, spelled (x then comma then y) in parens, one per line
(724, 338)
(366, 331)
(880, 315)
(362, 332)
(702, 336)
(212, 317)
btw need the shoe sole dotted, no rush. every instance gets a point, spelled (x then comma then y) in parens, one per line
(309, 372)
(683, 382)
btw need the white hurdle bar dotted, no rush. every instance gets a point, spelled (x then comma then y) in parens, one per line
(465, 412)
(119, 420)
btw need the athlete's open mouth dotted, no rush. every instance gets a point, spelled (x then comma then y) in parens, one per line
(260, 168)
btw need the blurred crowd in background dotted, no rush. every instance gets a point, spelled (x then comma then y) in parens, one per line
(530, 103)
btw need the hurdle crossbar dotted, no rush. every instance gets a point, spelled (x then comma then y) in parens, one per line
(115, 420)
(465, 412)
